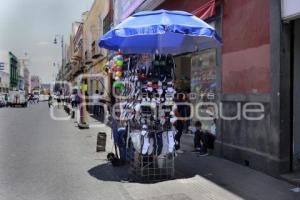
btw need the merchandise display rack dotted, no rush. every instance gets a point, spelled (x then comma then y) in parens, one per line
(146, 99)
(152, 168)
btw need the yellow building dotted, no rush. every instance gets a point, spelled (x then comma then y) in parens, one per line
(98, 21)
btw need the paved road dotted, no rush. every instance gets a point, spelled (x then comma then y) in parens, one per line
(43, 159)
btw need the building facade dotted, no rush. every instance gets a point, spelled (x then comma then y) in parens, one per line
(255, 69)
(14, 71)
(77, 55)
(35, 82)
(251, 68)
(4, 72)
(10, 70)
(288, 78)
(21, 80)
(26, 80)
(98, 21)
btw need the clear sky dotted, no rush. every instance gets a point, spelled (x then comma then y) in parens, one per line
(30, 26)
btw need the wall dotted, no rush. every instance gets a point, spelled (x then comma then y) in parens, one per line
(247, 57)
(245, 61)
(4, 74)
(250, 71)
(185, 5)
(14, 65)
(4, 80)
(92, 30)
(4, 57)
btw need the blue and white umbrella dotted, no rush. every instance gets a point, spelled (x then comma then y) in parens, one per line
(162, 31)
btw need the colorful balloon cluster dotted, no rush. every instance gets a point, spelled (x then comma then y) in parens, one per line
(116, 65)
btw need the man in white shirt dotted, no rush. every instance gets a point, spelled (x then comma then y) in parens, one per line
(73, 100)
(96, 101)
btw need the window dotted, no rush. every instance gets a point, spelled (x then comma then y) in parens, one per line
(106, 24)
(93, 49)
(108, 20)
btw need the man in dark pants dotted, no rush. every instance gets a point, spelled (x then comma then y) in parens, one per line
(96, 101)
(50, 101)
(203, 140)
(179, 127)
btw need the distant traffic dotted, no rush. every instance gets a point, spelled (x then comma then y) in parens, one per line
(18, 98)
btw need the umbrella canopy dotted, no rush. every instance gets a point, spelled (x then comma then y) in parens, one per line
(161, 31)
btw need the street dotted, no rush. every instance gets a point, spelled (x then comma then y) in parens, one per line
(54, 160)
(45, 159)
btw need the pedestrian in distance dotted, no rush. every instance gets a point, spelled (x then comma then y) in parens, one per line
(58, 101)
(50, 101)
(31, 99)
(96, 101)
(73, 99)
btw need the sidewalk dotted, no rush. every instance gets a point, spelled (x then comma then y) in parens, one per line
(238, 179)
(205, 178)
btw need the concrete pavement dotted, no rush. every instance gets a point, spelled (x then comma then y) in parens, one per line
(54, 160)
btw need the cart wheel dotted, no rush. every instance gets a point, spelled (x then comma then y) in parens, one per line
(110, 156)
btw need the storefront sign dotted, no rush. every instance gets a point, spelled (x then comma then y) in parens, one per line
(290, 9)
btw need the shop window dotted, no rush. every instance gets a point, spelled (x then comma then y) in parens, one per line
(204, 84)
(203, 74)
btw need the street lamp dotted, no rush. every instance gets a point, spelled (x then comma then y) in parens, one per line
(61, 37)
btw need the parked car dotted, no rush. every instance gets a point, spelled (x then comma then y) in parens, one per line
(17, 98)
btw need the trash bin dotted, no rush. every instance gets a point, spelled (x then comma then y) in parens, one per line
(101, 142)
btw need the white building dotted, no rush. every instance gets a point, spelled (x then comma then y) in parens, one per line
(4, 72)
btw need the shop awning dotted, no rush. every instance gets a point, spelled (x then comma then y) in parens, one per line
(206, 11)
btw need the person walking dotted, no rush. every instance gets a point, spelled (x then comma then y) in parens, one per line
(179, 124)
(30, 99)
(73, 99)
(50, 101)
(58, 99)
(96, 101)
(37, 98)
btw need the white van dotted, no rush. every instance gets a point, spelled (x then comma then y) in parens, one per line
(17, 98)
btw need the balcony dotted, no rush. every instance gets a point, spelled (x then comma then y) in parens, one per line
(96, 51)
(87, 58)
(77, 68)
(77, 54)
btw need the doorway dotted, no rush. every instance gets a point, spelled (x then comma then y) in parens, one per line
(296, 95)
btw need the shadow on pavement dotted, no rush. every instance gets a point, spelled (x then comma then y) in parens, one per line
(106, 172)
(208, 172)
